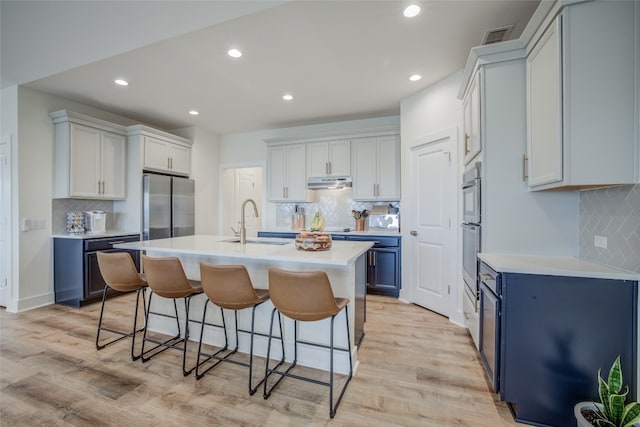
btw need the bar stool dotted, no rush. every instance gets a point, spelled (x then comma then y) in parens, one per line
(230, 287)
(306, 296)
(167, 279)
(120, 274)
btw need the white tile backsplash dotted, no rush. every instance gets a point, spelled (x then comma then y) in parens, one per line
(335, 205)
(613, 213)
(60, 207)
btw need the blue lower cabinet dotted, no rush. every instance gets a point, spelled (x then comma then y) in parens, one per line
(383, 274)
(383, 260)
(556, 333)
(76, 276)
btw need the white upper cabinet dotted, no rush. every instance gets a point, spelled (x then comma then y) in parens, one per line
(162, 151)
(376, 168)
(471, 117)
(286, 173)
(90, 157)
(582, 93)
(329, 158)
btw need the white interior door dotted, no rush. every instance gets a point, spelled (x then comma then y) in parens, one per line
(5, 220)
(248, 189)
(239, 184)
(431, 210)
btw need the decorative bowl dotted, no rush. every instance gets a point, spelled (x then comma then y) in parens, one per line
(306, 241)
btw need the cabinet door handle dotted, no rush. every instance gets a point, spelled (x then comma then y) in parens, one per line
(375, 258)
(284, 194)
(329, 168)
(168, 162)
(116, 242)
(466, 143)
(326, 168)
(524, 167)
(102, 187)
(413, 233)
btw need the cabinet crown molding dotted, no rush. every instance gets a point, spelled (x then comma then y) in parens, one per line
(143, 130)
(332, 136)
(61, 116)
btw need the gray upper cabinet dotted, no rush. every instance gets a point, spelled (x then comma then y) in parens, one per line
(582, 98)
(90, 157)
(471, 119)
(329, 158)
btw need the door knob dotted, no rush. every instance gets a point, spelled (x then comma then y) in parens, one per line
(413, 233)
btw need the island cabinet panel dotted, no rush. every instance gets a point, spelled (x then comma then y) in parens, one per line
(582, 108)
(556, 332)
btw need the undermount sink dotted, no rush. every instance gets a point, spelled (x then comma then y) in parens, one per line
(259, 241)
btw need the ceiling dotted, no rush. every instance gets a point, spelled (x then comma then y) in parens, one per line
(340, 60)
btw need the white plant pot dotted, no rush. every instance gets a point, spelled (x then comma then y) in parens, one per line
(577, 411)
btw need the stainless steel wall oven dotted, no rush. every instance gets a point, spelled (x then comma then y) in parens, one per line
(471, 206)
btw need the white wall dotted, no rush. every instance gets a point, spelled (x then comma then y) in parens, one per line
(205, 170)
(35, 169)
(428, 112)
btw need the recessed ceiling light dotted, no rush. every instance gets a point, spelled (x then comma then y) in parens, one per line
(121, 82)
(411, 11)
(287, 97)
(415, 77)
(194, 112)
(234, 53)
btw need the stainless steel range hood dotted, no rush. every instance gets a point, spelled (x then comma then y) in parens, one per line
(328, 182)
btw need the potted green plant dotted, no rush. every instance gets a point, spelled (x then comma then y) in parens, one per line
(612, 410)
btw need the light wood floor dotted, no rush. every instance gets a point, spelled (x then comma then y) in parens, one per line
(416, 369)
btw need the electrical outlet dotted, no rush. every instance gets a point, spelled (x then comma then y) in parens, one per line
(25, 224)
(600, 242)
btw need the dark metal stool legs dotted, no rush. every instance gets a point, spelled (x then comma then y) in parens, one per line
(172, 342)
(225, 358)
(123, 334)
(333, 406)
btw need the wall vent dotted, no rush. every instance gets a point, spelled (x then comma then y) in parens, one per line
(496, 35)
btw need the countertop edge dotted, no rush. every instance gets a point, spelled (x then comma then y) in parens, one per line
(554, 266)
(221, 252)
(93, 236)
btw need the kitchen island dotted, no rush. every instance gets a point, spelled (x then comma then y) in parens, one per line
(344, 263)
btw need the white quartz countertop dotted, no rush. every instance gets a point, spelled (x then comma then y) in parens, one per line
(351, 232)
(262, 248)
(553, 266)
(94, 235)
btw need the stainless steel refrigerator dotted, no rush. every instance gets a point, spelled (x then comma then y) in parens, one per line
(167, 206)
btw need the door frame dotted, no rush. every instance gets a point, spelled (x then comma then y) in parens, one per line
(455, 295)
(10, 260)
(241, 165)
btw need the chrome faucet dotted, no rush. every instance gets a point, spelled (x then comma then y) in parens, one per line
(243, 229)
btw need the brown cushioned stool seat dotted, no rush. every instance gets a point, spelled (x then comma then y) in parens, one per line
(306, 296)
(167, 279)
(120, 274)
(230, 288)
